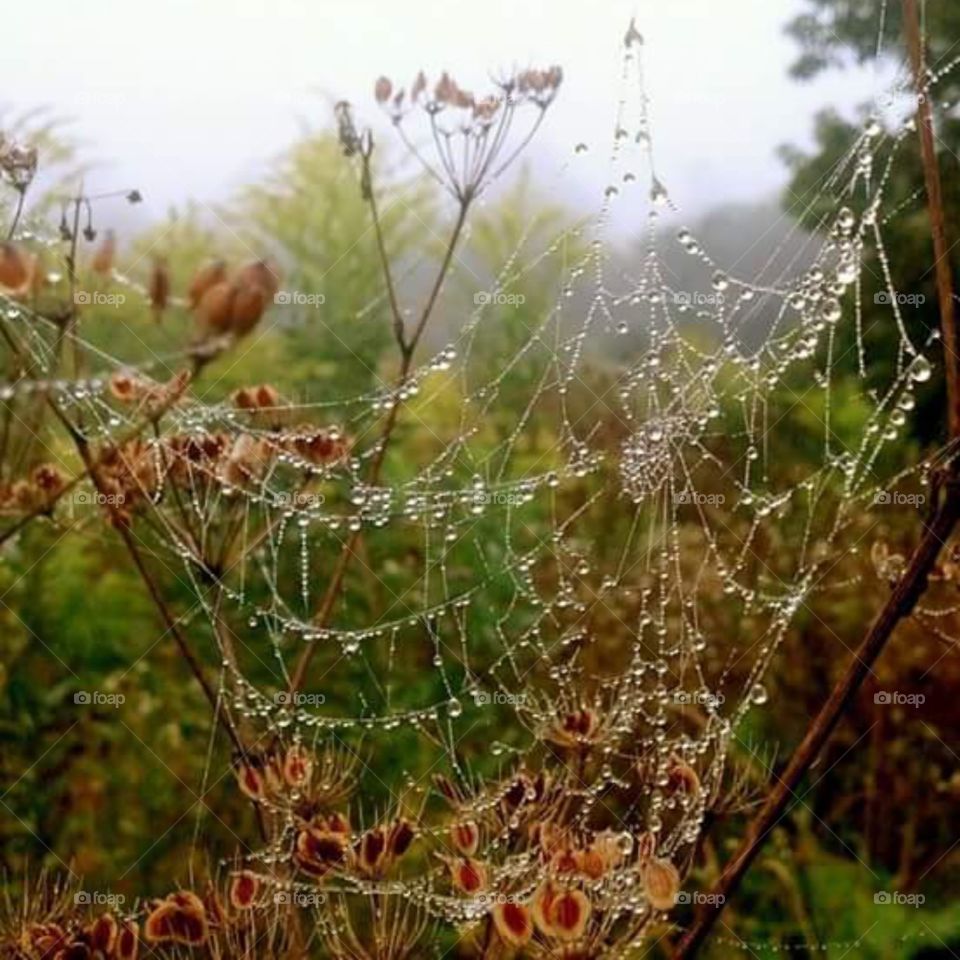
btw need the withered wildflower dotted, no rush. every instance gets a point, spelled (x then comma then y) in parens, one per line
(474, 137)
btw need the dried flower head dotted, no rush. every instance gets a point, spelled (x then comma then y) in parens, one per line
(18, 163)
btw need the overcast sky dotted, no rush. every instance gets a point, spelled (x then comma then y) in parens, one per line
(189, 98)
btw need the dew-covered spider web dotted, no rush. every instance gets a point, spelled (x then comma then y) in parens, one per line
(558, 610)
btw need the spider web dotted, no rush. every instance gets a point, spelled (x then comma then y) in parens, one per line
(528, 562)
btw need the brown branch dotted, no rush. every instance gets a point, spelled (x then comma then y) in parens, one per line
(941, 246)
(912, 584)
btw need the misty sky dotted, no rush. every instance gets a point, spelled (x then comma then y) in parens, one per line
(189, 98)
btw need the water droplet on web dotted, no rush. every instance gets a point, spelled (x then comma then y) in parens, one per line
(658, 193)
(920, 369)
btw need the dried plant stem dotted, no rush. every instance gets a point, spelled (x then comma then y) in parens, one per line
(941, 245)
(912, 584)
(407, 349)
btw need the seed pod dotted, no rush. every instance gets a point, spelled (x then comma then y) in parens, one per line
(400, 838)
(468, 875)
(465, 837)
(246, 308)
(215, 306)
(513, 923)
(371, 850)
(128, 941)
(569, 913)
(159, 287)
(16, 270)
(102, 934)
(251, 781)
(297, 766)
(661, 883)
(259, 273)
(209, 275)
(244, 888)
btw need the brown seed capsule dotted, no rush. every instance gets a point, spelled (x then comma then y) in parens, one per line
(469, 876)
(128, 941)
(159, 287)
(16, 270)
(215, 305)
(661, 883)
(401, 836)
(102, 934)
(465, 837)
(244, 889)
(259, 273)
(372, 850)
(568, 914)
(297, 766)
(209, 275)
(513, 923)
(247, 307)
